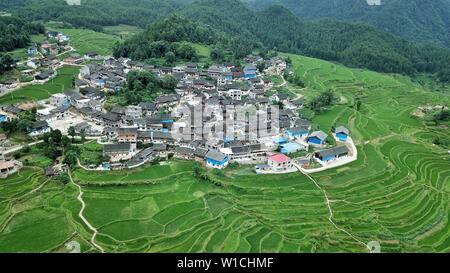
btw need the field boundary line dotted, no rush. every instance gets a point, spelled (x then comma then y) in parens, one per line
(80, 214)
(330, 217)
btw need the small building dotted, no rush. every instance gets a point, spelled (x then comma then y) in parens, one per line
(133, 112)
(297, 132)
(183, 153)
(280, 140)
(148, 108)
(59, 99)
(111, 119)
(8, 168)
(332, 154)
(280, 162)
(291, 147)
(4, 118)
(119, 151)
(34, 63)
(317, 138)
(216, 159)
(144, 156)
(200, 152)
(127, 134)
(43, 76)
(38, 128)
(91, 55)
(263, 168)
(32, 51)
(249, 72)
(55, 170)
(342, 133)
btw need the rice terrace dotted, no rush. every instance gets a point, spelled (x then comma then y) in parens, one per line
(396, 192)
(91, 94)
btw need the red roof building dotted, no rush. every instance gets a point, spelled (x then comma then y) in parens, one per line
(280, 162)
(279, 158)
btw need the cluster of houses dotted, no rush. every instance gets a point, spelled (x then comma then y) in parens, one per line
(137, 134)
(57, 42)
(8, 167)
(42, 61)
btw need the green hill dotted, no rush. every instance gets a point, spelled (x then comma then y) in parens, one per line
(352, 44)
(415, 20)
(396, 193)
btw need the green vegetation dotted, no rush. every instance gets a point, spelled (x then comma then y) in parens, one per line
(143, 86)
(166, 38)
(353, 44)
(62, 82)
(94, 14)
(16, 33)
(395, 193)
(91, 154)
(38, 214)
(242, 31)
(123, 31)
(399, 17)
(85, 41)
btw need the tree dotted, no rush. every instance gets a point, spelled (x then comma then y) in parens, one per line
(65, 142)
(442, 115)
(70, 157)
(186, 51)
(321, 101)
(170, 58)
(169, 82)
(261, 66)
(217, 54)
(71, 132)
(56, 136)
(6, 62)
(64, 178)
(358, 104)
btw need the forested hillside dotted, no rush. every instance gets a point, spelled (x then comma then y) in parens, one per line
(415, 20)
(167, 37)
(95, 14)
(356, 45)
(15, 32)
(238, 28)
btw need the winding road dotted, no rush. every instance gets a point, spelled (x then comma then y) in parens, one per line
(80, 214)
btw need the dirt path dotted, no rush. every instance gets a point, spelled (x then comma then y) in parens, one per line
(20, 147)
(330, 218)
(80, 214)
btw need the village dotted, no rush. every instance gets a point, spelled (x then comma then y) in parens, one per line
(134, 135)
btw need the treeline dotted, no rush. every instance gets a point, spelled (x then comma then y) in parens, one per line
(144, 86)
(416, 20)
(241, 30)
(16, 32)
(95, 14)
(356, 45)
(168, 38)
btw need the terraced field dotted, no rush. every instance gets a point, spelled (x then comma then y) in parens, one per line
(85, 40)
(397, 192)
(37, 214)
(61, 83)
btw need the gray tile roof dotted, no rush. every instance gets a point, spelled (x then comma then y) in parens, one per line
(319, 134)
(215, 155)
(335, 151)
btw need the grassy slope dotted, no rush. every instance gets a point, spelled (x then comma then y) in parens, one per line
(84, 41)
(62, 82)
(397, 192)
(123, 31)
